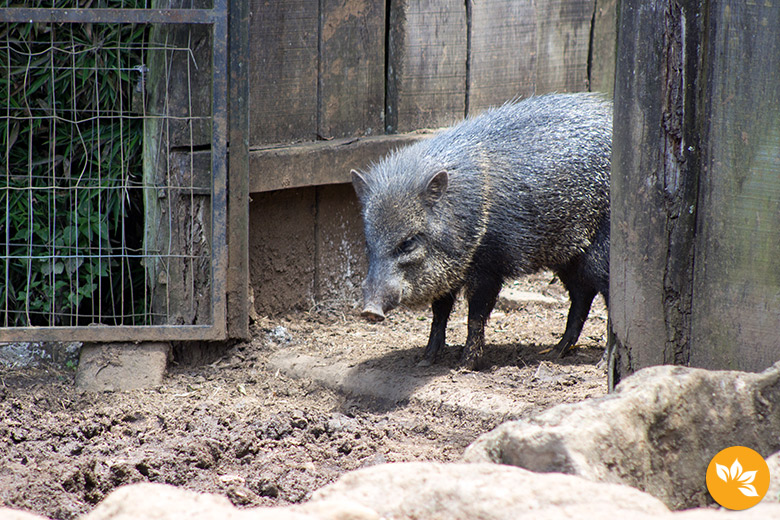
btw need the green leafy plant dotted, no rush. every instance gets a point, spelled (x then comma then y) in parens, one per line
(70, 174)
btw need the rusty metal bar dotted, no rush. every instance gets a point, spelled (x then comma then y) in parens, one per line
(98, 15)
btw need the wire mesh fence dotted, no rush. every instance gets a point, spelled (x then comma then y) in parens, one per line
(106, 192)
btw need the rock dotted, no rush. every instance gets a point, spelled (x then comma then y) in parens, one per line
(657, 432)
(423, 490)
(121, 366)
(761, 511)
(773, 493)
(337, 509)
(14, 514)
(511, 299)
(164, 502)
(419, 490)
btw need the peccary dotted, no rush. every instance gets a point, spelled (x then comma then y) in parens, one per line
(519, 188)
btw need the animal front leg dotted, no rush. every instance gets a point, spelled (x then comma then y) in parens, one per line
(441, 314)
(481, 303)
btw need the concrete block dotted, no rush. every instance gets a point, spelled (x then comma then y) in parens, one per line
(121, 366)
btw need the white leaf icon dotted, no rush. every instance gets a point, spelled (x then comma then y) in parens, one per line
(747, 477)
(736, 469)
(748, 490)
(723, 472)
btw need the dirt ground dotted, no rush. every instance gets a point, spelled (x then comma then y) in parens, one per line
(312, 396)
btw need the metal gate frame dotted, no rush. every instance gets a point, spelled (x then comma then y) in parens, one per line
(221, 286)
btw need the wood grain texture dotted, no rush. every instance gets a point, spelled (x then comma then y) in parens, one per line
(179, 79)
(351, 68)
(503, 58)
(695, 192)
(604, 47)
(283, 73)
(319, 163)
(562, 44)
(638, 237)
(736, 318)
(522, 48)
(426, 65)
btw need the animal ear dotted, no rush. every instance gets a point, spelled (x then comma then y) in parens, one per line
(360, 184)
(436, 187)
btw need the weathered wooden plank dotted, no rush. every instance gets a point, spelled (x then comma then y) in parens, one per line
(426, 64)
(283, 72)
(638, 238)
(319, 163)
(182, 270)
(737, 279)
(695, 259)
(237, 282)
(562, 44)
(351, 70)
(340, 257)
(603, 47)
(503, 55)
(177, 210)
(178, 82)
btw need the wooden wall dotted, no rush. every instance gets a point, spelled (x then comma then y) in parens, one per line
(695, 253)
(336, 84)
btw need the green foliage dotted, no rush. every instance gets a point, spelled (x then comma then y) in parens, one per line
(70, 171)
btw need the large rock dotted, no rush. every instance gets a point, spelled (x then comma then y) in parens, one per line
(108, 367)
(14, 514)
(657, 432)
(773, 493)
(164, 502)
(424, 490)
(418, 490)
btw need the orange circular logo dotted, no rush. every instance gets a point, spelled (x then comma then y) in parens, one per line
(738, 478)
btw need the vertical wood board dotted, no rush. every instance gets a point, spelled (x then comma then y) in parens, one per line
(341, 256)
(503, 52)
(562, 42)
(351, 68)
(427, 64)
(238, 175)
(282, 250)
(604, 47)
(283, 42)
(182, 74)
(638, 238)
(737, 279)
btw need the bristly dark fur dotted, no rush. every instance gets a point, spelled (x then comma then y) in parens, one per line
(526, 187)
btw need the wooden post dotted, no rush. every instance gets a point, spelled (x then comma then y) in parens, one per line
(177, 202)
(695, 254)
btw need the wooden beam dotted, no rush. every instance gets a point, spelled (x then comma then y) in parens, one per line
(736, 287)
(695, 188)
(319, 163)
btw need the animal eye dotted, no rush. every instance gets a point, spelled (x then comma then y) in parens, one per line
(408, 245)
